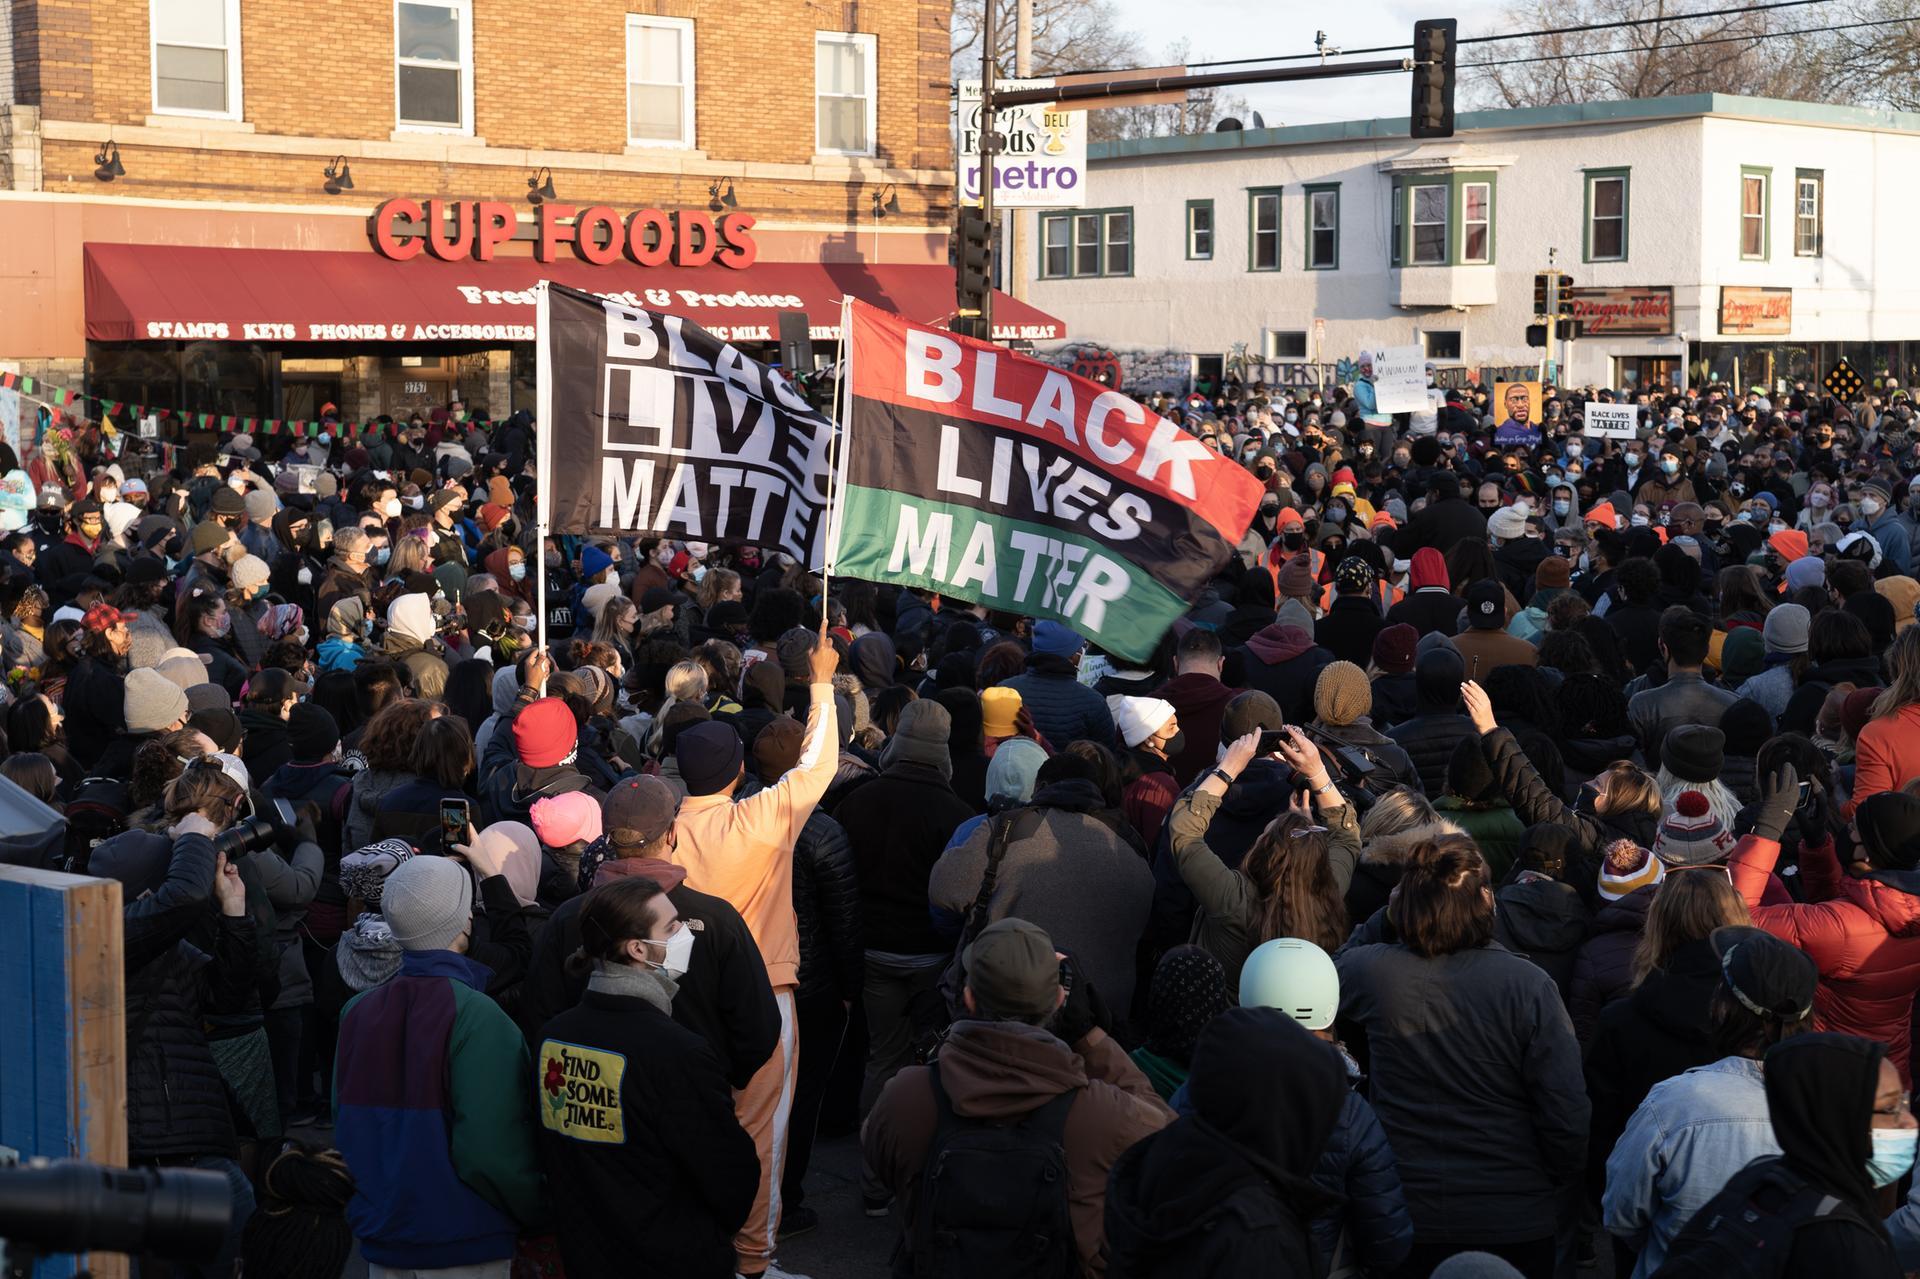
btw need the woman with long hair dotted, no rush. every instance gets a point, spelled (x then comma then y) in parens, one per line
(1887, 752)
(204, 623)
(1839, 651)
(1743, 598)
(616, 626)
(1485, 1151)
(391, 748)
(62, 645)
(1291, 882)
(36, 723)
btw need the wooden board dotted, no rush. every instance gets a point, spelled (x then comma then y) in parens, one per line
(63, 1079)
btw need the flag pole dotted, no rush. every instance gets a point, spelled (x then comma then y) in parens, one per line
(842, 388)
(542, 434)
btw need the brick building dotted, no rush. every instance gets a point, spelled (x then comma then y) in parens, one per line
(190, 189)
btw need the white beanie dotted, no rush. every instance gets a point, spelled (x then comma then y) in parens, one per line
(250, 572)
(1139, 718)
(411, 616)
(427, 902)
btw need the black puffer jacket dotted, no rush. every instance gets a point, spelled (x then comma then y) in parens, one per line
(897, 825)
(826, 900)
(184, 962)
(1604, 970)
(1428, 740)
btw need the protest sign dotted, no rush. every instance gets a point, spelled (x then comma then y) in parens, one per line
(1400, 379)
(991, 477)
(650, 424)
(1518, 406)
(1042, 162)
(1613, 421)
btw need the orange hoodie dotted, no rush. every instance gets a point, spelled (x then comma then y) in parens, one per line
(742, 850)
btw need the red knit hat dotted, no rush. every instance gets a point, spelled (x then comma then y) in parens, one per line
(1394, 648)
(544, 734)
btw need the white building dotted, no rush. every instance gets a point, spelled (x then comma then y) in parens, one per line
(1708, 237)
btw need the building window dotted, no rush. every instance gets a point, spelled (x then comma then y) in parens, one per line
(1088, 244)
(1476, 222)
(196, 57)
(1809, 213)
(1441, 344)
(1396, 249)
(1263, 230)
(1607, 216)
(1284, 344)
(433, 65)
(1323, 228)
(1754, 184)
(659, 81)
(1199, 230)
(1429, 226)
(843, 92)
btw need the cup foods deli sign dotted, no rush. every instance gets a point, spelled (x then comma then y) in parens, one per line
(456, 230)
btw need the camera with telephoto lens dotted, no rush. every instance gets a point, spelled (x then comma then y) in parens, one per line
(261, 828)
(67, 1206)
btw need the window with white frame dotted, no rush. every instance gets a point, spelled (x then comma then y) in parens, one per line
(1399, 220)
(1263, 231)
(659, 81)
(1199, 229)
(433, 65)
(1809, 205)
(843, 92)
(1441, 344)
(1753, 212)
(1323, 228)
(1429, 225)
(1476, 222)
(1083, 245)
(1283, 344)
(196, 57)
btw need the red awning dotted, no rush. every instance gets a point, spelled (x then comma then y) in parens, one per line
(161, 292)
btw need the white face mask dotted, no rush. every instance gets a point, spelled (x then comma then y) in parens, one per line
(1869, 506)
(391, 509)
(679, 948)
(416, 501)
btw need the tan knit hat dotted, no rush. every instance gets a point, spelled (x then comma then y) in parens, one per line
(1342, 694)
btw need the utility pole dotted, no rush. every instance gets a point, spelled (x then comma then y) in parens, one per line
(1553, 315)
(989, 145)
(1019, 221)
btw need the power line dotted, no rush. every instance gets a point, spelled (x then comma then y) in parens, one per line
(1531, 35)
(1751, 38)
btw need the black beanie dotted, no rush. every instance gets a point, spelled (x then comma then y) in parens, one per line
(1694, 752)
(312, 732)
(1889, 824)
(709, 755)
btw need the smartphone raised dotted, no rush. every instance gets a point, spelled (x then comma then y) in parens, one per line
(1270, 741)
(455, 816)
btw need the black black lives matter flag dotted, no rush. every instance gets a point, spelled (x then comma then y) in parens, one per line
(656, 426)
(999, 479)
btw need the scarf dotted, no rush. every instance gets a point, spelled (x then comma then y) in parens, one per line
(635, 981)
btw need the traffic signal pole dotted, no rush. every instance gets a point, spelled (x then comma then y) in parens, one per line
(1431, 114)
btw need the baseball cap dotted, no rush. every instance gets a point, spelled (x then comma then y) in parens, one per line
(639, 806)
(1486, 604)
(102, 617)
(1770, 977)
(1012, 968)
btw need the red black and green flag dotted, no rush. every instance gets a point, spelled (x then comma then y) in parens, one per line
(998, 479)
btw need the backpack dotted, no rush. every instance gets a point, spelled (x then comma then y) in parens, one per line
(97, 812)
(993, 1197)
(1746, 1231)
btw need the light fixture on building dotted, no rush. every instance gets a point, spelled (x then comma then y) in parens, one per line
(540, 186)
(106, 162)
(721, 202)
(339, 176)
(886, 201)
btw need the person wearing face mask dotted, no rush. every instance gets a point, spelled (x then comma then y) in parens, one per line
(247, 600)
(509, 566)
(637, 1135)
(1669, 486)
(431, 1087)
(348, 574)
(1845, 1130)
(1150, 731)
(1878, 518)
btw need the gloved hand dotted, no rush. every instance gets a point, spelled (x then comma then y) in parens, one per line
(1084, 1008)
(1777, 804)
(1813, 817)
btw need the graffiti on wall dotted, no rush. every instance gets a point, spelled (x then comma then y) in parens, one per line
(1136, 372)
(1144, 372)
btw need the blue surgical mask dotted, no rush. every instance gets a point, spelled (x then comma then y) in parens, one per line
(1670, 464)
(1562, 507)
(380, 555)
(517, 572)
(1893, 1150)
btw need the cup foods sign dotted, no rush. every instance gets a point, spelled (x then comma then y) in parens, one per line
(453, 230)
(1042, 160)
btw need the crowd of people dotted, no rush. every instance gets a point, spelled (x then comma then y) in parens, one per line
(1510, 864)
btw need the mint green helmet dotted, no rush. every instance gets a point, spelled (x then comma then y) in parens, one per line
(1294, 976)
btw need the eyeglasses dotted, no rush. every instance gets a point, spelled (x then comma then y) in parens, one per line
(1709, 866)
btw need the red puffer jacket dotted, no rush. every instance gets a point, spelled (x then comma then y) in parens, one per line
(1863, 935)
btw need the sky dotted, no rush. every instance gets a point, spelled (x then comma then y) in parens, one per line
(1248, 28)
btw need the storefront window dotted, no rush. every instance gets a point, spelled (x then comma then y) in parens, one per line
(139, 375)
(227, 378)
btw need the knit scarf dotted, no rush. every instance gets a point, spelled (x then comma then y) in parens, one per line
(634, 981)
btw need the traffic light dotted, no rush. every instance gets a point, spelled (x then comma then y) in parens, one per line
(1433, 75)
(1566, 329)
(1544, 281)
(972, 256)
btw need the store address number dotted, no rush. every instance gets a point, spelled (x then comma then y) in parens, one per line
(415, 388)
